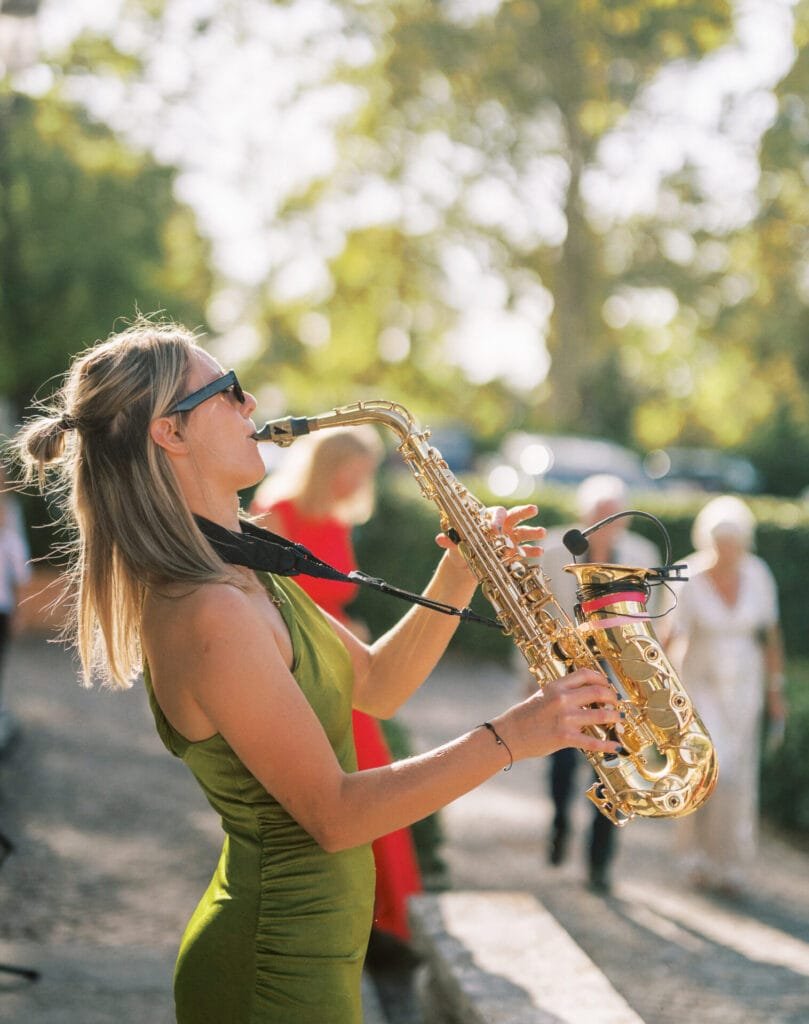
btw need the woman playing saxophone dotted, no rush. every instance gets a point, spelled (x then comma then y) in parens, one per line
(251, 685)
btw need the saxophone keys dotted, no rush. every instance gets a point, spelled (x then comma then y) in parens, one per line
(618, 815)
(672, 795)
(641, 660)
(696, 749)
(668, 710)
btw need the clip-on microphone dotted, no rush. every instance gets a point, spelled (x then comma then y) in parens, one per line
(576, 543)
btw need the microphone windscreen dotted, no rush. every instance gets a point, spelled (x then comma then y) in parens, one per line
(575, 542)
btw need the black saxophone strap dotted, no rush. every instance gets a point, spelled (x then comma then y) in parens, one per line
(263, 551)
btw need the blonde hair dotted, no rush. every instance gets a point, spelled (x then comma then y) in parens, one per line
(306, 474)
(127, 523)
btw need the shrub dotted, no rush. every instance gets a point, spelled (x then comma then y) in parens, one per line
(398, 545)
(785, 771)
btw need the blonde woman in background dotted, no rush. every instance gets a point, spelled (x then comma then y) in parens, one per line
(320, 492)
(149, 442)
(726, 638)
(322, 489)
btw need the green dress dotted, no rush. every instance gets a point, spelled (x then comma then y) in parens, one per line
(281, 932)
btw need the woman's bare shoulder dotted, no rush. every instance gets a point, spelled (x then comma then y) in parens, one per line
(202, 608)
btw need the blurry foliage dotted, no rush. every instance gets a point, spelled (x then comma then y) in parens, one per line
(89, 229)
(381, 296)
(732, 370)
(535, 80)
(89, 232)
(785, 774)
(398, 545)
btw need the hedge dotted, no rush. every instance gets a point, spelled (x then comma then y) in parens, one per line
(785, 771)
(398, 544)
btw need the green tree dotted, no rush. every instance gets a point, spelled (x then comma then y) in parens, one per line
(90, 231)
(730, 368)
(507, 105)
(777, 310)
(484, 133)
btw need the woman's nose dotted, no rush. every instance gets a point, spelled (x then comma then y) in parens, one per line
(249, 404)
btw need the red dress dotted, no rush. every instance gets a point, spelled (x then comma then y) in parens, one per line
(397, 873)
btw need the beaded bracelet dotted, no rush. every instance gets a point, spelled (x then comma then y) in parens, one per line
(500, 742)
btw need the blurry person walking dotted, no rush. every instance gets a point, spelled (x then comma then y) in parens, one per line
(598, 496)
(726, 639)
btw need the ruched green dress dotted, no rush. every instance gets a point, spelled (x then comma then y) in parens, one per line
(280, 935)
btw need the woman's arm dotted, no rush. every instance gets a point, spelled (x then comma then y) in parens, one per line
(391, 669)
(232, 665)
(774, 669)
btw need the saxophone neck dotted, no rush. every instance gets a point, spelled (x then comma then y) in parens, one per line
(286, 430)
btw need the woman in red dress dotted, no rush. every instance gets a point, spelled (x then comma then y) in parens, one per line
(323, 489)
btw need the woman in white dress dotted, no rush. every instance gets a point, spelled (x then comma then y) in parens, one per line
(727, 640)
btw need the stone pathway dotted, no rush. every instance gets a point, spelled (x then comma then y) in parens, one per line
(114, 843)
(674, 955)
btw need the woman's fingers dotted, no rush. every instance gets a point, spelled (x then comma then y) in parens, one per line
(514, 516)
(573, 724)
(506, 519)
(593, 745)
(584, 686)
(509, 523)
(585, 696)
(584, 699)
(582, 677)
(529, 531)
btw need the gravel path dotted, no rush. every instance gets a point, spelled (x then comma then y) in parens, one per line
(114, 844)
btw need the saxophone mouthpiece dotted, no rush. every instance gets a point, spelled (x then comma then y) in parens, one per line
(284, 431)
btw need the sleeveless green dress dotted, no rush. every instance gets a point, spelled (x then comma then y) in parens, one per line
(281, 932)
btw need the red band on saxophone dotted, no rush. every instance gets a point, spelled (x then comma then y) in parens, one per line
(631, 596)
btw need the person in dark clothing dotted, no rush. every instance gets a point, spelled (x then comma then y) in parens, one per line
(598, 496)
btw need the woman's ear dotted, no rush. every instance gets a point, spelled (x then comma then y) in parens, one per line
(165, 433)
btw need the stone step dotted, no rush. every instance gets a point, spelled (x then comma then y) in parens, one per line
(501, 958)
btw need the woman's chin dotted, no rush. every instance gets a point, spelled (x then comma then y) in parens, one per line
(256, 476)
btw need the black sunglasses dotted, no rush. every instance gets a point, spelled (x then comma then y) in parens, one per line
(224, 383)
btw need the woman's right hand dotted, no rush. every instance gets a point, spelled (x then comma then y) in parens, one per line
(553, 717)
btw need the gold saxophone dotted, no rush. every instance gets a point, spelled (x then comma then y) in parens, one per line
(669, 768)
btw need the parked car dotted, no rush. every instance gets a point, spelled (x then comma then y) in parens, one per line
(702, 469)
(527, 460)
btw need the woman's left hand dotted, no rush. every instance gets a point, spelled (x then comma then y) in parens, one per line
(507, 523)
(776, 706)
